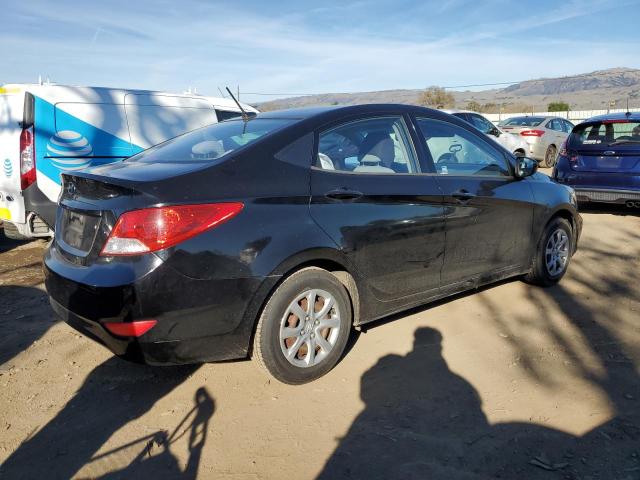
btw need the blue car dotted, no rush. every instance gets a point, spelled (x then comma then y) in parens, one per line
(601, 160)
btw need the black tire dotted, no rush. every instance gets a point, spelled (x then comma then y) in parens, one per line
(550, 156)
(267, 344)
(540, 273)
(11, 232)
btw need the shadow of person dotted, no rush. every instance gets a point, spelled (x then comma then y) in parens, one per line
(115, 393)
(165, 464)
(25, 316)
(422, 421)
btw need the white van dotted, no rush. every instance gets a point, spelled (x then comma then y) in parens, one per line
(49, 129)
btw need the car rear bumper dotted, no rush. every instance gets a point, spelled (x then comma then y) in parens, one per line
(606, 195)
(197, 320)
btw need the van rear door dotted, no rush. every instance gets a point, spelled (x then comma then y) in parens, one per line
(154, 118)
(11, 117)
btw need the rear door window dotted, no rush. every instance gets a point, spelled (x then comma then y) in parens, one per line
(568, 126)
(555, 125)
(378, 145)
(481, 123)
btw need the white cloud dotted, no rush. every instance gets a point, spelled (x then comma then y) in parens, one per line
(207, 47)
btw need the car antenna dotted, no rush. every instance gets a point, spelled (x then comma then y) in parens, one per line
(245, 117)
(628, 114)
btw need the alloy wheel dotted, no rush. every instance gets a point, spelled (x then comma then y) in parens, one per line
(557, 252)
(309, 328)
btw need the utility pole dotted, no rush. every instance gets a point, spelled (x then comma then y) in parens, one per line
(238, 92)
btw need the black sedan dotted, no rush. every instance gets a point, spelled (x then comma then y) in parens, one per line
(601, 160)
(274, 237)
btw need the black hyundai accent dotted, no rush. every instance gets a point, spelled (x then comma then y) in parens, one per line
(274, 237)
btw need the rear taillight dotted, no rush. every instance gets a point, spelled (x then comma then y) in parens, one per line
(532, 133)
(563, 149)
(574, 159)
(152, 229)
(571, 155)
(130, 329)
(27, 158)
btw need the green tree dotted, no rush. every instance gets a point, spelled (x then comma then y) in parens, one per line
(490, 108)
(436, 97)
(474, 106)
(558, 107)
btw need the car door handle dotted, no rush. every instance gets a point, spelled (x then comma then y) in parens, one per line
(463, 195)
(343, 194)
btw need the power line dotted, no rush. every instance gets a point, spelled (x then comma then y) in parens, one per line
(484, 84)
(447, 87)
(284, 94)
(288, 94)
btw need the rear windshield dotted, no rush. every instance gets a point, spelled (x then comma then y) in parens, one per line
(211, 143)
(523, 121)
(606, 134)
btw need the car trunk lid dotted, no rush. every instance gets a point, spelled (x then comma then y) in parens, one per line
(605, 161)
(88, 209)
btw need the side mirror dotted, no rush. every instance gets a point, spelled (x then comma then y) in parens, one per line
(494, 131)
(525, 167)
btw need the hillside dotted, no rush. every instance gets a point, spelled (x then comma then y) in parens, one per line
(585, 91)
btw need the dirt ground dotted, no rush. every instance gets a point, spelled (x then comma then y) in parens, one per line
(511, 382)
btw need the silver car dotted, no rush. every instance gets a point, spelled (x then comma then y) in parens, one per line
(514, 143)
(544, 135)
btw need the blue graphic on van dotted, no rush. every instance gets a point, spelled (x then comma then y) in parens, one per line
(64, 142)
(8, 168)
(75, 150)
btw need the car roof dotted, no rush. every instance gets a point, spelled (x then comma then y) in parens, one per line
(455, 110)
(296, 113)
(635, 116)
(535, 116)
(342, 110)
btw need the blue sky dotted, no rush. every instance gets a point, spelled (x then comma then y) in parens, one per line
(298, 47)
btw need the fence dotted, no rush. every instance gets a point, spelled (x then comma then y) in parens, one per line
(573, 116)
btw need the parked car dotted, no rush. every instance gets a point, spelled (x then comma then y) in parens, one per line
(544, 135)
(601, 160)
(274, 237)
(46, 130)
(514, 143)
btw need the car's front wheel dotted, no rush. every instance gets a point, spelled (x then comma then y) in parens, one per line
(304, 326)
(553, 254)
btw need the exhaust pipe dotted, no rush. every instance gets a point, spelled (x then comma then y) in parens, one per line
(632, 204)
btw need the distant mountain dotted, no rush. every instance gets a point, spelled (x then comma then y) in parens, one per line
(601, 79)
(586, 91)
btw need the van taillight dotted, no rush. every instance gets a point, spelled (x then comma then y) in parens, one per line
(27, 158)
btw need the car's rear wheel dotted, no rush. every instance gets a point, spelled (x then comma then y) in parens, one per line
(553, 254)
(304, 326)
(550, 156)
